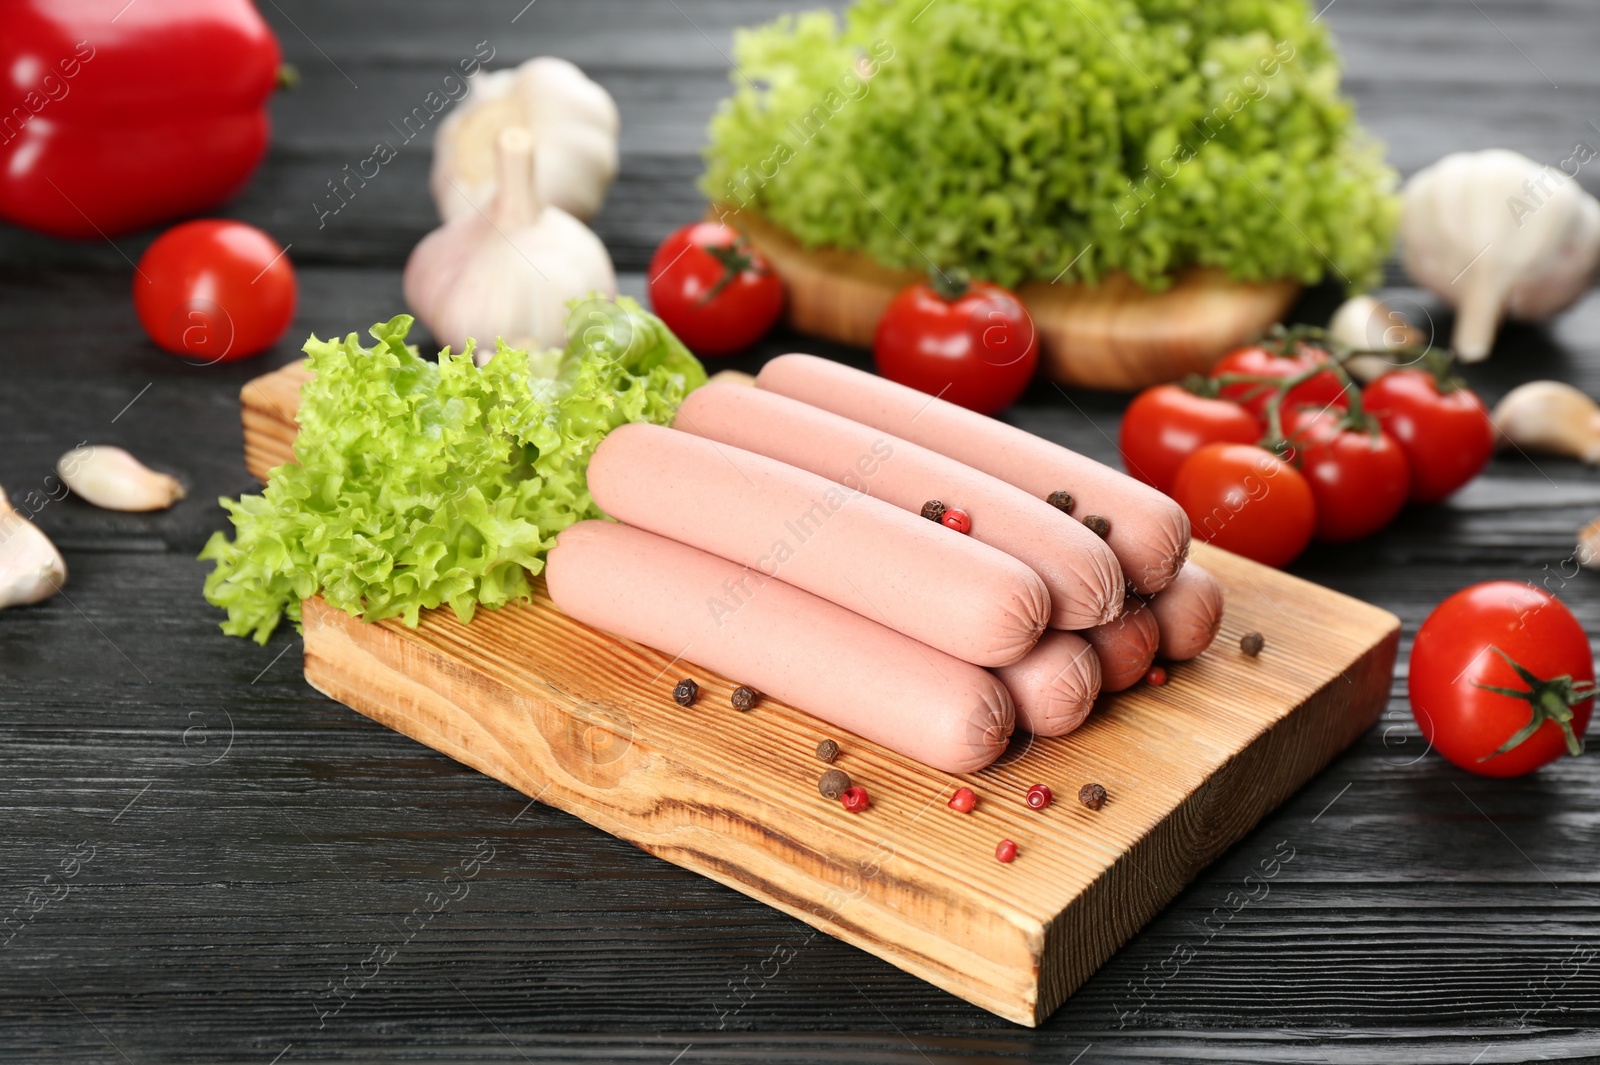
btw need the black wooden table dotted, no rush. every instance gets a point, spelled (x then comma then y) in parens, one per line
(244, 844)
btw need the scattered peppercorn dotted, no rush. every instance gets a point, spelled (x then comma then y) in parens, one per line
(963, 800)
(1098, 525)
(1006, 851)
(833, 783)
(1157, 675)
(1039, 796)
(1252, 643)
(1062, 501)
(933, 510)
(744, 698)
(827, 750)
(855, 799)
(686, 692)
(1092, 795)
(957, 519)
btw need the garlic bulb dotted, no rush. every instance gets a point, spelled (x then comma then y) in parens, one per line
(509, 270)
(109, 477)
(1493, 233)
(573, 122)
(31, 568)
(1550, 416)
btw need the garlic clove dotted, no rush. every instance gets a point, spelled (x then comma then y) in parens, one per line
(1367, 323)
(731, 377)
(1552, 417)
(1588, 552)
(31, 569)
(109, 477)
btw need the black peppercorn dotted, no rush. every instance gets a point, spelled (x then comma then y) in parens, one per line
(686, 692)
(744, 698)
(933, 510)
(1062, 501)
(827, 750)
(1251, 643)
(1098, 525)
(833, 783)
(1092, 795)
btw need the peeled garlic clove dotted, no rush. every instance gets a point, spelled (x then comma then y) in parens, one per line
(1550, 416)
(31, 569)
(732, 377)
(109, 477)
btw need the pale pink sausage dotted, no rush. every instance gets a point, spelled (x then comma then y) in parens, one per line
(1085, 584)
(1188, 612)
(830, 662)
(1149, 532)
(1054, 687)
(1126, 647)
(948, 591)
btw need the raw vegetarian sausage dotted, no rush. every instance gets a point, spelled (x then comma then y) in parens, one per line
(1085, 584)
(946, 590)
(1126, 647)
(1054, 687)
(1188, 612)
(786, 643)
(1149, 532)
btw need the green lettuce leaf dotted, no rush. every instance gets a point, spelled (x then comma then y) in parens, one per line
(1059, 139)
(417, 484)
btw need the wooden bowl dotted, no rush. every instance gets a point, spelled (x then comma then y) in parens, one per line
(1117, 335)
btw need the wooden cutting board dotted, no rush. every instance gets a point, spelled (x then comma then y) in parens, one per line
(585, 722)
(1116, 335)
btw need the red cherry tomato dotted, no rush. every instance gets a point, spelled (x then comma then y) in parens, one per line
(214, 290)
(1447, 436)
(1358, 478)
(1501, 677)
(1323, 390)
(1246, 500)
(971, 343)
(1166, 424)
(716, 292)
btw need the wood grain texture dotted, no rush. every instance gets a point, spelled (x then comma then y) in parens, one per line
(585, 722)
(1117, 335)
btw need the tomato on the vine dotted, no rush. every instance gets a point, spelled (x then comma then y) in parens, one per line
(1358, 476)
(969, 342)
(1502, 679)
(215, 290)
(1246, 500)
(1166, 424)
(711, 288)
(1445, 432)
(1270, 360)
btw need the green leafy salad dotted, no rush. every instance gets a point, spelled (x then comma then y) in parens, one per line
(1045, 139)
(417, 483)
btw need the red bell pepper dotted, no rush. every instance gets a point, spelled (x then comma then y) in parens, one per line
(118, 114)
